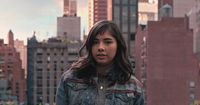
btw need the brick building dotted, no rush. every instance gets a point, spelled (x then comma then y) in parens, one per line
(165, 62)
(97, 11)
(11, 66)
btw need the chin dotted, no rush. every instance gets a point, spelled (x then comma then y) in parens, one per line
(101, 63)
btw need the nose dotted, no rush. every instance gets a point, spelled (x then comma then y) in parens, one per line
(101, 47)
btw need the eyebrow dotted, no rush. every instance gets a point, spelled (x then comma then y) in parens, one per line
(104, 39)
(107, 39)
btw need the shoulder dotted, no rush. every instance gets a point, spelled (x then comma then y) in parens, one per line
(135, 85)
(67, 75)
(135, 81)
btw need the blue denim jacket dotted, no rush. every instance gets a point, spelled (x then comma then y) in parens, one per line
(73, 91)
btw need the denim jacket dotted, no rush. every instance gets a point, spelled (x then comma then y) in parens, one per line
(73, 91)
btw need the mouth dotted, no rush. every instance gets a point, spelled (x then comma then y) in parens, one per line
(101, 56)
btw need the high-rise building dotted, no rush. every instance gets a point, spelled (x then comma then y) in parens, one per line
(46, 63)
(66, 7)
(70, 8)
(73, 8)
(68, 26)
(124, 14)
(22, 49)
(147, 11)
(166, 64)
(10, 38)
(97, 11)
(11, 68)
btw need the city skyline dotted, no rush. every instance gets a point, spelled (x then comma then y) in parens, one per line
(24, 17)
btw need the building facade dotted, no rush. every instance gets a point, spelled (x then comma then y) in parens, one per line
(166, 64)
(11, 67)
(68, 27)
(22, 49)
(182, 7)
(70, 8)
(6, 96)
(194, 17)
(124, 14)
(97, 11)
(46, 63)
(147, 11)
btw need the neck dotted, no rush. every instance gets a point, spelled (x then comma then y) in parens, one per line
(102, 69)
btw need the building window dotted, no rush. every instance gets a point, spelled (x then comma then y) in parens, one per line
(48, 84)
(117, 15)
(55, 54)
(125, 2)
(47, 99)
(39, 62)
(39, 54)
(55, 91)
(116, 1)
(61, 61)
(55, 76)
(39, 91)
(62, 53)
(39, 83)
(65, 33)
(125, 19)
(10, 54)
(132, 18)
(132, 36)
(39, 99)
(39, 69)
(192, 84)
(133, 2)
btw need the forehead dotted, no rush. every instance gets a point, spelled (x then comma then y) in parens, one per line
(106, 34)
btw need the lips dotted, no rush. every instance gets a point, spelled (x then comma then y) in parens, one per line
(101, 56)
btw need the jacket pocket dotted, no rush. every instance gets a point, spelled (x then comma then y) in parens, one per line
(81, 94)
(78, 86)
(125, 97)
(121, 97)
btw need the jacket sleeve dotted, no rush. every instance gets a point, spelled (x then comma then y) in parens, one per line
(61, 94)
(140, 99)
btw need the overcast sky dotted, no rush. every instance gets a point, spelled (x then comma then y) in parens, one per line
(25, 16)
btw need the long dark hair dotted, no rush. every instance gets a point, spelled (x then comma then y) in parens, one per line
(85, 67)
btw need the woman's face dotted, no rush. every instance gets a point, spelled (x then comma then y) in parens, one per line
(104, 48)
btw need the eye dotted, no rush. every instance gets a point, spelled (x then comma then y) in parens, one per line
(95, 42)
(108, 41)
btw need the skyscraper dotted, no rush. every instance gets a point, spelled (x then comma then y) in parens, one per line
(124, 14)
(68, 26)
(97, 11)
(70, 8)
(10, 39)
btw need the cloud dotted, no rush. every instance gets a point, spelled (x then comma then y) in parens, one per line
(26, 16)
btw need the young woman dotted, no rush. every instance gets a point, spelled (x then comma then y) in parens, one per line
(103, 76)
